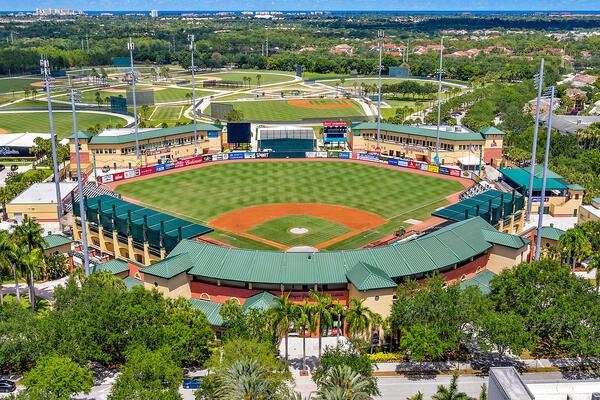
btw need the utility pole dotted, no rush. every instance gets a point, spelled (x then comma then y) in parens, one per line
(267, 43)
(538, 235)
(45, 69)
(192, 48)
(86, 256)
(436, 159)
(87, 42)
(539, 84)
(380, 38)
(130, 47)
(407, 49)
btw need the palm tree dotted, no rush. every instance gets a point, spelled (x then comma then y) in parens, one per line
(29, 238)
(595, 265)
(5, 197)
(284, 314)
(451, 392)
(416, 396)
(337, 309)
(575, 244)
(8, 257)
(245, 380)
(321, 312)
(258, 79)
(358, 317)
(307, 322)
(342, 383)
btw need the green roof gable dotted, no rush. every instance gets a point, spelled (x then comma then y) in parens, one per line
(552, 233)
(169, 267)
(505, 239)
(520, 178)
(416, 131)
(366, 277)
(82, 135)
(51, 241)
(481, 280)
(112, 266)
(262, 301)
(153, 134)
(492, 130)
(211, 309)
(130, 282)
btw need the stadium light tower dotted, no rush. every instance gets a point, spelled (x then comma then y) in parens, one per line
(76, 96)
(192, 48)
(45, 70)
(436, 159)
(538, 236)
(380, 38)
(539, 83)
(130, 47)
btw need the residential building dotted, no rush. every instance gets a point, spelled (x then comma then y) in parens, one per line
(589, 212)
(342, 50)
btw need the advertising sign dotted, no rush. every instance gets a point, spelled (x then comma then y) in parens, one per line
(393, 161)
(250, 155)
(193, 161)
(433, 168)
(262, 155)
(444, 171)
(423, 167)
(343, 154)
(146, 170)
(235, 156)
(118, 176)
(169, 165)
(129, 174)
(412, 164)
(106, 179)
(403, 163)
(159, 167)
(454, 172)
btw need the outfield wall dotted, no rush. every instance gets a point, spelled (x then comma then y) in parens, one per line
(341, 155)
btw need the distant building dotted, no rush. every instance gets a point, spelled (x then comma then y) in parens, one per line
(575, 93)
(589, 212)
(38, 202)
(154, 13)
(19, 144)
(465, 53)
(342, 49)
(56, 11)
(570, 124)
(531, 106)
(583, 80)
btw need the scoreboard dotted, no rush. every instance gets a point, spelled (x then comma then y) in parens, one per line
(335, 132)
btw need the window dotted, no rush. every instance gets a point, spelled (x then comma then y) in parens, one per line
(155, 284)
(376, 298)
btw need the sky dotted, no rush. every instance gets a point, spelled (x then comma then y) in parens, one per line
(370, 5)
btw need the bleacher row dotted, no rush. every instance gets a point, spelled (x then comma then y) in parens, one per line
(473, 191)
(90, 190)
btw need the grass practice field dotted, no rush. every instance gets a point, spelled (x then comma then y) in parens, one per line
(266, 77)
(167, 113)
(8, 85)
(163, 95)
(63, 122)
(318, 230)
(295, 110)
(208, 192)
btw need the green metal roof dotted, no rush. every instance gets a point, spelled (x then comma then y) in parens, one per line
(139, 216)
(552, 233)
(169, 267)
(492, 130)
(416, 131)
(130, 282)
(439, 250)
(211, 309)
(505, 239)
(153, 134)
(479, 205)
(262, 301)
(112, 266)
(481, 280)
(82, 135)
(575, 186)
(366, 277)
(51, 241)
(520, 178)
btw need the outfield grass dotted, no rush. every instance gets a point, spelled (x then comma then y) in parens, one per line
(207, 192)
(165, 95)
(8, 85)
(63, 122)
(280, 110)
(319, 230)
(267, 78)
(167, 113)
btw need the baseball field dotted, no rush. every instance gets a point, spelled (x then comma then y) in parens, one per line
(295, 110)
(281, 204)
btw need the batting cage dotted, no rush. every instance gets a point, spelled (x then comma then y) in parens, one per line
(286, 141)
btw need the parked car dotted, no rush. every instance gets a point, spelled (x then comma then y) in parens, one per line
(14, 167)
(7, 386)
(105, 169)
(192, 383)
(2, 167)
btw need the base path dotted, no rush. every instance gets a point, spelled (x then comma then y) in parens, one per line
(244, 219)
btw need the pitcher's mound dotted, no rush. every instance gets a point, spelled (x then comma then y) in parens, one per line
(298, 231)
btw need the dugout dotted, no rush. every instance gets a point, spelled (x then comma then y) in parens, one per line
(286, 141)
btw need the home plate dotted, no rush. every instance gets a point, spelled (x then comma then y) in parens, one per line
(413, 221)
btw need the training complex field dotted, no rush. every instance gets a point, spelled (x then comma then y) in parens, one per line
(37, 122)
(255, 204)
(294, 110)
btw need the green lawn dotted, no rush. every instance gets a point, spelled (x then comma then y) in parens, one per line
(8, 85)
(168, 113)
(319, 230)
(166, 95)
(207, 192)
(266, 77)
(280, 110)
(63, 122)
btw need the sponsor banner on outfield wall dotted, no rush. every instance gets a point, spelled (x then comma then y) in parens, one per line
(393, 161)
(250, 155)
(444, 171)
(129, 174)
(344, 154)
(403, 163)
(368, 157)
(316, 154)
(217, 157)
(262, 155)
(235, 156)
(119, 176)
(433, 168)
(454, 172)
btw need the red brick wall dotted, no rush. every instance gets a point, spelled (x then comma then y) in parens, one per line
(468, 269)
(84, 157)
(135, 267)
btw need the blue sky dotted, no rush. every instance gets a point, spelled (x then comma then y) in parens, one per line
(372, 5)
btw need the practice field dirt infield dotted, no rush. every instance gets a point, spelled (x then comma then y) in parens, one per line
(239, 198)
(320, 104)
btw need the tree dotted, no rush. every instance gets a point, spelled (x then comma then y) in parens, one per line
(322, 313)
(258, 79)
(284, 315)
(9, 257)
(56, 266)
(245, 379)
(575, 245)
(421, 343)
(416, 396)
(451, 392)
(503, 331)
(594, 265)
(483, 393)
(358, 317)
(307, 322)
(28, 236)
(234, 116)
(31, 262)
(338, 309)
(341, 382)
(57, 378)
(148, 375)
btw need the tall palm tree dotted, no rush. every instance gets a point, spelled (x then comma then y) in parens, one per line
(29, 238)
(575, 244)
(258, 79)
(595, 265)
(358, 317)
(337, 309)
(451, 392)
(8, 257)
(284, 314)
(307, 321)
(31, 262)
(322, 313)
(245, 380)
(342, 383)
(416, 396)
